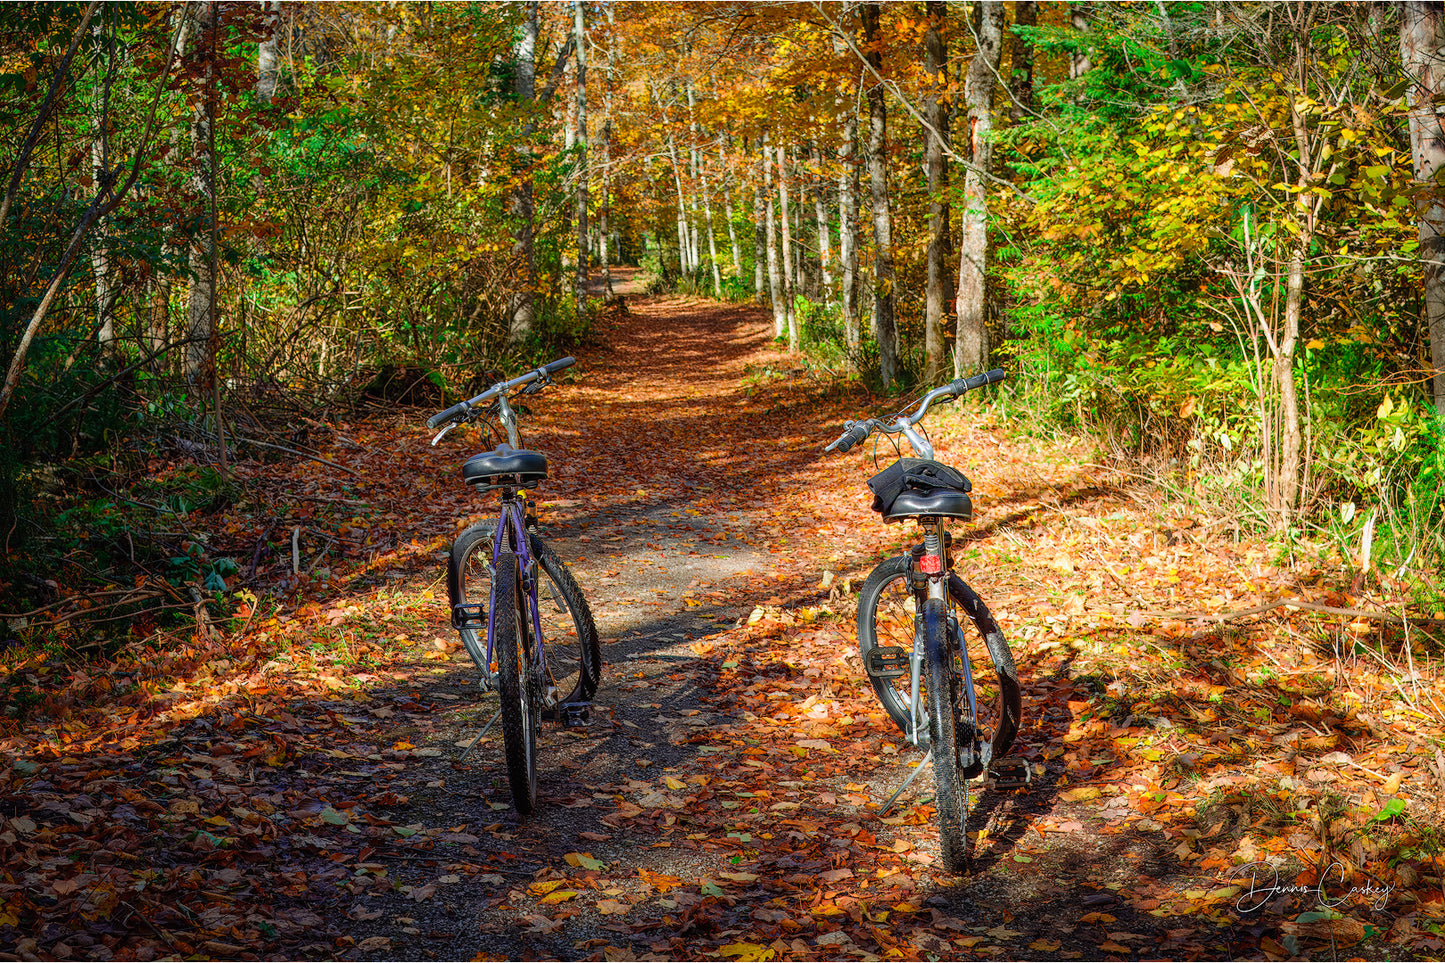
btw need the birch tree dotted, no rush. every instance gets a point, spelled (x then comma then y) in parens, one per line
(970, 349)
(1422, 38)
(583, 169)
(936, 113)
(884, 324)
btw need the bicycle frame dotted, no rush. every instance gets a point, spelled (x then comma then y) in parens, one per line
(511, 535)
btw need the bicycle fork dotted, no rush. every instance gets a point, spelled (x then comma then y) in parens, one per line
(931, 574)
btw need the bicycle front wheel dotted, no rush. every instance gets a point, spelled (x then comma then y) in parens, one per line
(887, 610)
(946, 731)
(521, 702)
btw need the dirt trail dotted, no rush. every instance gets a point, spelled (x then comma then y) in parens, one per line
(671, 454)
(293, 786)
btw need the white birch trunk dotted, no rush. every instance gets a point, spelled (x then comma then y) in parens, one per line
(970, 351)
(789, 282)
(775, 276)
(1422, 38)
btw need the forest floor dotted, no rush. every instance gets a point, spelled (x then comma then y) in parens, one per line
(288, 784)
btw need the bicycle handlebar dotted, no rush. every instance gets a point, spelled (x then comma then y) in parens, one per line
(856, 431)
(462, 409)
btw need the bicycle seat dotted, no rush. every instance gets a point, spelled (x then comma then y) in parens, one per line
(947, 502)
(920, 486)
(505, 466)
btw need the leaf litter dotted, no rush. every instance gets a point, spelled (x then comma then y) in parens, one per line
(289, 784)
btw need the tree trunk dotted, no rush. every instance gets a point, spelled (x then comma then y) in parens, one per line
(970, 350)
(825, 254)
(684, 249)
(711, 238)
(268, 60)
(1286, 494)
(100, 253)
(934, 112)
(759, 226)
(728, 211)
(775, 276)
(604, 231)
(884, 324)
(1021, 63)
(1080, 16)
(789, 272)
(1422, 36)
(522, 306)
(200, 301)
(848, 229)
(583, 167)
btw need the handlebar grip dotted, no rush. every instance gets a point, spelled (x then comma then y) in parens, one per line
(552, 367)
(854, 432)
(987, 378)
(442, 417)
(960, 385)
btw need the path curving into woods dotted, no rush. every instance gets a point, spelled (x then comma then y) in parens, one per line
(291, 785)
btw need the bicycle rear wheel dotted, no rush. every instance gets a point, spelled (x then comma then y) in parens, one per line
(521, 702)
(569, 635)
(887, 608)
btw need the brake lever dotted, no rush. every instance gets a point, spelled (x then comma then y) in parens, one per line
(443, 432)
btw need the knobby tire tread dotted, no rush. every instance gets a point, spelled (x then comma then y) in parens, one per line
(589, 675)
(520, 707)
(950, 787)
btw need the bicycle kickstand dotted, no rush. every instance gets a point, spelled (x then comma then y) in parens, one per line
(888, 806)
(473, 744)
(1010, 774)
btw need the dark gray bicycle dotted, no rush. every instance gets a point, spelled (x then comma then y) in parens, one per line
(519, 612)
(962, 705)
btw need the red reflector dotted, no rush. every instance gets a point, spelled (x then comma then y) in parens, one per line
(930, 564)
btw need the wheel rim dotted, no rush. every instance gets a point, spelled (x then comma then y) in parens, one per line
(893, 626)
(475, 582)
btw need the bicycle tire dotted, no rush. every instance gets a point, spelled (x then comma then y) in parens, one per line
(946, 729)
(521, 706)
(575, 666)
(885, 618)
(569, 638)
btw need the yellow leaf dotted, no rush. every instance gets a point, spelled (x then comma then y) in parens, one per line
(559, 896)
(545, 887)
(748, 951)
(672, 782)
(1315, 344)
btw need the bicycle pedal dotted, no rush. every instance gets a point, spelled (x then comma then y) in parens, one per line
(570, 714)
(469, 615)
(887, 662)
(1010, 774)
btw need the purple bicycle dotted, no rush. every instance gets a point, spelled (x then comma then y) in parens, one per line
(540, 650)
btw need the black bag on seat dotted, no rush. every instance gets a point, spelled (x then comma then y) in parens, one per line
(916, 474)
